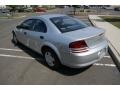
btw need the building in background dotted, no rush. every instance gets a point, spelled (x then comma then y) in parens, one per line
(2, 6)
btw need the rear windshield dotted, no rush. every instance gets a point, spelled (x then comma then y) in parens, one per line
(67, 24)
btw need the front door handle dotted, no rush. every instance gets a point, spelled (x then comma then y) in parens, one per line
(41, 37)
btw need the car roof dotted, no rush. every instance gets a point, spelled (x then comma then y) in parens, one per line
(48, 16)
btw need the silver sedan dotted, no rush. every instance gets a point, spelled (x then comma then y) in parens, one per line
(62, 40)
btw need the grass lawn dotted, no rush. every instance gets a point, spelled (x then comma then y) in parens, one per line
(113, 20)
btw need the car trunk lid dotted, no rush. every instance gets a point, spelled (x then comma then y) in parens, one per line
(91, 35)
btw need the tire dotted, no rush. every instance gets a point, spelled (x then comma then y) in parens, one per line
(51, 59)
(14, 39)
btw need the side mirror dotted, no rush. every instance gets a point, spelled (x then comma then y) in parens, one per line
(18, 27)
(23, 27)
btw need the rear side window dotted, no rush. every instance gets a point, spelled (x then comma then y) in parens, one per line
(40, 26)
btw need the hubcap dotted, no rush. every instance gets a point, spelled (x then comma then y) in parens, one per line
(49, 59)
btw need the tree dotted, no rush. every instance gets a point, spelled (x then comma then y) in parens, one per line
(74, 8)
(12, 7)
(34, 6)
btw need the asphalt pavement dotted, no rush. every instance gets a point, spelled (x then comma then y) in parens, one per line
(20, 65)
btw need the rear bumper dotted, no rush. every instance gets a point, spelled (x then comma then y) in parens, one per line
(78, 60)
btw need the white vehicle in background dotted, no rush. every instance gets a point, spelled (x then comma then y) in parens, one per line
(109, 8)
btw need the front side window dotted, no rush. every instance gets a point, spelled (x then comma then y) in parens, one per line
(40, 26)
(28, 24)
(67, 24)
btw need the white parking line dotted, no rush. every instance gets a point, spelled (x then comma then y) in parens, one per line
(23, 16)
(101, 64)
(13, 56)
(21, 51)
(107, 56)
(11, 49)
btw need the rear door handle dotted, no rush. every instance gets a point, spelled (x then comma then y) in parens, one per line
(25, 33)
(41, 37)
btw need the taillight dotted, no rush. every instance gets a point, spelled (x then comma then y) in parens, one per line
(78, 46)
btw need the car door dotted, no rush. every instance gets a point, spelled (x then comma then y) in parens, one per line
(25, 28)
(37, 36)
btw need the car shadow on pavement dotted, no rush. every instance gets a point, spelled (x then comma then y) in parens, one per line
(62, 70)
(71, 71)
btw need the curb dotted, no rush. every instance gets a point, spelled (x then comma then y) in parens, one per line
(114, 55)
(112, 51)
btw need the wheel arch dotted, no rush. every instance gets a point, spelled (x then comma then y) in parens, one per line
(51, 46)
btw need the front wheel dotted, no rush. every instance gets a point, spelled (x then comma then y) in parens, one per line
(51, 59)
(14, 39)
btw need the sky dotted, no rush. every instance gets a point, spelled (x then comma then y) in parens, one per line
(60, 2)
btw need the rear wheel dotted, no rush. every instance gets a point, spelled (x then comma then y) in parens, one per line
(51, 59)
